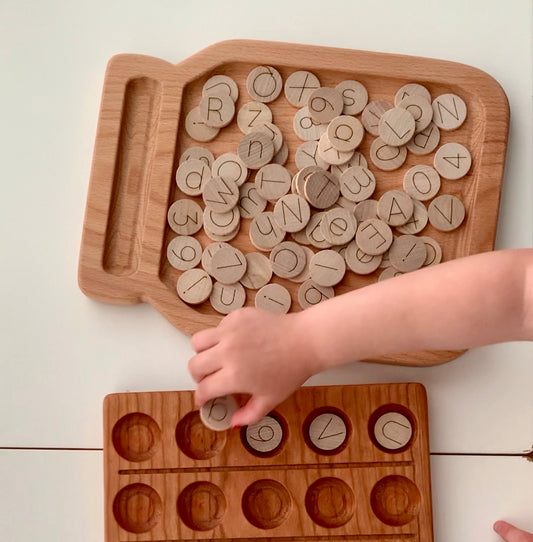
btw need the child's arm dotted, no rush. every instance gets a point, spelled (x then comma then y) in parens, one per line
(482, 299)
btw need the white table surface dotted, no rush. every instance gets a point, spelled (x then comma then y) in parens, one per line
(61, 353)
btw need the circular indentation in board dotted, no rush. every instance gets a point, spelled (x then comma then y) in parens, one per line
(266, 437)
(395, 500)
(330, 502)
(137, 508)
(392, 428)
(136, 437)
(196, 440)
(326, 430)
(201, 506)
(266, 504)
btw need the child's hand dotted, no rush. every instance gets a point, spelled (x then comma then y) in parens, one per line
(510, 533)
(254, 352)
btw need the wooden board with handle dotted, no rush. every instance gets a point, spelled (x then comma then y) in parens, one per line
(141, 136)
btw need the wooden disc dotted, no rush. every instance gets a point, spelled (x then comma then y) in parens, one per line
(221, 84)
(421, 182)
(220, 195)
(396, 126)
(185, 217)
(198, 153)
(258, 271)
(372, 114)
(196, 127)
(184, 252)
(373, 236)
(273, 181)
(310, 294)
(387, 157)
(221, 223)
(357, 183)
(274, 133)
(407, 253)
(452, 161)
(321, 189)
(252, 115)
(226, 298)
(273, 298)
(307, 155)
(292, 213)
(288, 259)
(250, 202)
(418, 220)
(194, 286)
(434, 251)
(264, 84)
(255, 149)
(305, 127)
(421, 110)
(449, 111)
(359, 262)
(299, 86)
(345, 133)
(217, 111)
(354, 96)
(325, 104)
(327, 268)
(208, 253)
(314, 233)
(228, 265)
(426, 141)
(230, 168)
(330, 154)
(412, 89)
(446, 213)
(366, 209)
(265, 233)
(217, 413)
(395, 207)
(338, 226)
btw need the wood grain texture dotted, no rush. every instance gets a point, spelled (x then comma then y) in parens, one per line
(168, 477)
(141, 137)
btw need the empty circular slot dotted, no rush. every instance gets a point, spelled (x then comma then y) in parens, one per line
(137, 508)
(395, 500)
(136, 437)
(330, 502)
(392, 428)
(266, 504)
(201, 506)
(265, 438)
(326, 430)
(196, 440)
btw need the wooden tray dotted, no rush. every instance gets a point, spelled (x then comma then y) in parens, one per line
(141, 136)
(169, 478)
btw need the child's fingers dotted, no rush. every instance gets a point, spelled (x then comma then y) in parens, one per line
(510, 533)
(211, 387)
(204, 364)
(207, 338)
(252, 412)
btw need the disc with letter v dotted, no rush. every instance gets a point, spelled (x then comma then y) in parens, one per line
(327, 432)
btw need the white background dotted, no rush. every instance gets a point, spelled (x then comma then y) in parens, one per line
(61, 353)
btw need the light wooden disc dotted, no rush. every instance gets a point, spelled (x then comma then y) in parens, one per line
(265, 233)
(418, 220)
(299, 86)
(314, 233)
(221, 84)
(282, 155)
(255, 149)
(264, 436)
(421, 182)
(387, 157)
(452, 161)
(307, 155)
(252, 115)
(228, 265)
(226, 298)
(357, 183)
(421, 110)
(250, 202)
(264, 84)
(220, 195)
(407, 253)
(327, 431)
(357, 159)
(292, 213)
(426, 141)
(217, 111)
(412, 89)
(325, 104)
(221, 223)
(217, 413)
(258, 271)
(372, 114)
(184, 252)
(288, 259)
(185, 217)
(231, 168)
(305, 274)
(196, 127)
(449, 111)
(327, 268)
(396, 126)
(208, 253)
(198, 153)
(359, 262)
(274, 133)
(330, 154)
(389, 273)
(345, 133)
(310, 294)
(305, 127)
(273, 181)
(194, 286)
(273, 298)
(446, 213)
(321, 189)
(393, 430)
(395, 207)
(434, 251)
(366, 209)
(374, 236)
(354, 96)
(338, 226)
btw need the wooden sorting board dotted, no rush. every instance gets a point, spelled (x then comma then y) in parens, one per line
(169, 478)
(141, 137)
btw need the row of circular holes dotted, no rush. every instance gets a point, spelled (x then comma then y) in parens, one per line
(136, 436)
(266, 504)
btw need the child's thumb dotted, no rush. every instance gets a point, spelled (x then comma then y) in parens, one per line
(252, 412)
